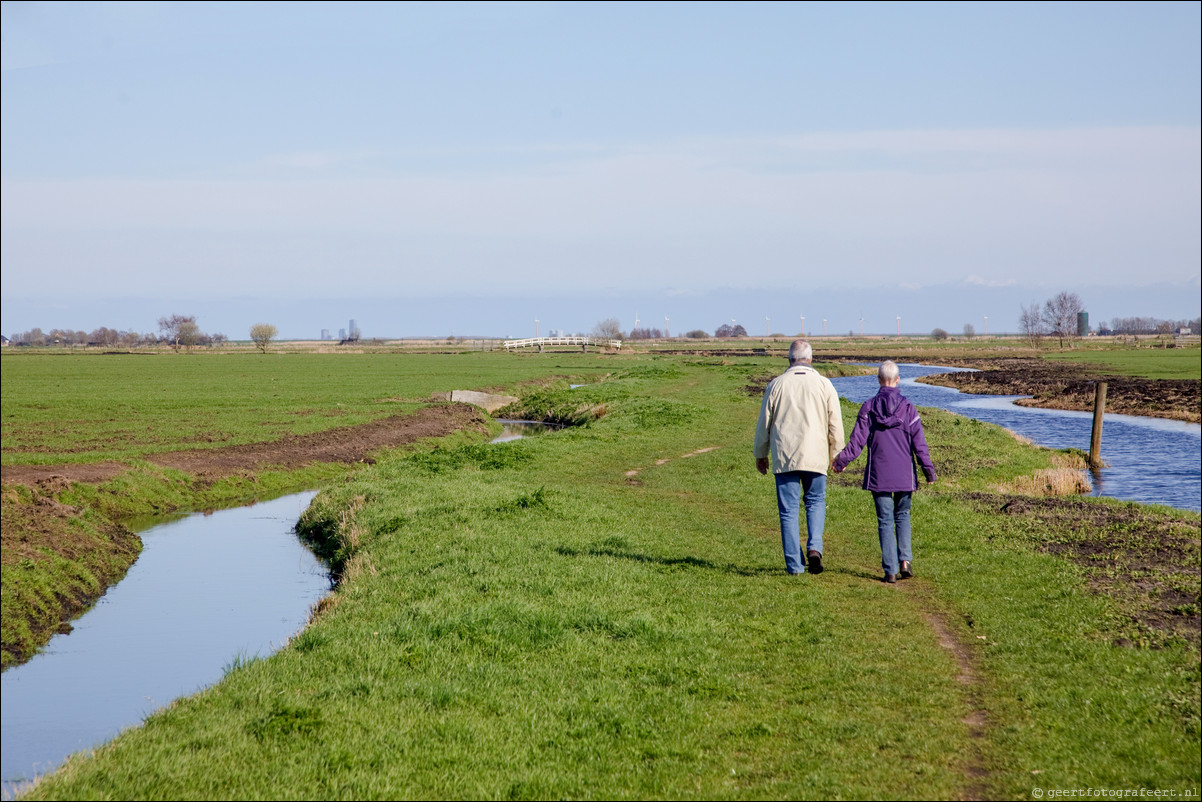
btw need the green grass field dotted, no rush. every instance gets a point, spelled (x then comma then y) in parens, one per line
(90, 408)
(1150, 363)
(603, 612)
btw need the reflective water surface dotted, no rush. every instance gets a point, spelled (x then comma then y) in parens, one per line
(207, 591)
(1149, 460)
(517, 429)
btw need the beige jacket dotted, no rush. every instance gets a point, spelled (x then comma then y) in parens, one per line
(800, 422)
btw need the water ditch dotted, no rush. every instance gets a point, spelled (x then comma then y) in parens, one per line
(1149, 460)
(208, 591)
(517, 429)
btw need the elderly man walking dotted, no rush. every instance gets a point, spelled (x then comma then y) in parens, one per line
(801, 427)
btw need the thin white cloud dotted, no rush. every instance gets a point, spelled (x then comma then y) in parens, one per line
(980, 281)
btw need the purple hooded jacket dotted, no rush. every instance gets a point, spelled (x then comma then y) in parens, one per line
(892, 429)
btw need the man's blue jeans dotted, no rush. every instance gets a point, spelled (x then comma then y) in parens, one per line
(893, 528)
(790, 489)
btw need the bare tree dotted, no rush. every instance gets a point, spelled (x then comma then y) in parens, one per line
(1031, 322)
(608, 329)
(1060, 314)
(969, 331)
(179, 330)
(263, 334)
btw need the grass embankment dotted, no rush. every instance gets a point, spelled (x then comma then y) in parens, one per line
(602, 612)
(105, 418)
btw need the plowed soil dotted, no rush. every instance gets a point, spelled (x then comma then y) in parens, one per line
(1054, 385)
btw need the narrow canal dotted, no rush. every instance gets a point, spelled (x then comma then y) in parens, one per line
(207, 591)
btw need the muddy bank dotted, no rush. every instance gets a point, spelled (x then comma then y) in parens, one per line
(1148, 561)
(1054, 385)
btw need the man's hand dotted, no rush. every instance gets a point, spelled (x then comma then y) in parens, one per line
(761, 465)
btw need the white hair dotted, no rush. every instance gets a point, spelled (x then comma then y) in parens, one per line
(800, 351)
(887, 372)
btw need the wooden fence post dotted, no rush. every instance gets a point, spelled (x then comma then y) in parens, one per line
(1095, 439)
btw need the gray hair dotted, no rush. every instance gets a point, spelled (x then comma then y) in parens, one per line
(887, 372)
(800, 351)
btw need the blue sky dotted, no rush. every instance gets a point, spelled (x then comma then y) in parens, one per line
(470, 167)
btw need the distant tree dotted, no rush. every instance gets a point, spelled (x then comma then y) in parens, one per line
(697, 334)
(1030, 322)
(1060, 314)
(262, 334)
(645, 333)
(219, 339)
(730, 330)
(969, 331)
(179, 330)
(938, 334)
(608, 329)
(189, 334)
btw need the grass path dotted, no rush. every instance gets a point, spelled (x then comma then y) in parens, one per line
(532, 620)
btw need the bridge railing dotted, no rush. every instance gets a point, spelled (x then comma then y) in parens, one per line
(543, 342)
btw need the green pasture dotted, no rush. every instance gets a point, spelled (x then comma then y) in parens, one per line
(84, 407)
(603, 612)
(1150, 363)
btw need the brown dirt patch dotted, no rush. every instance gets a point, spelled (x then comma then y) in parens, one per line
(1150, 561)
(348, 444)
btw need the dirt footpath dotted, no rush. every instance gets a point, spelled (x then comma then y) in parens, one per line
(346, 445)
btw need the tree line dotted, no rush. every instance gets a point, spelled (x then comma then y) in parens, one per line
(176, 331)
(1149, 325)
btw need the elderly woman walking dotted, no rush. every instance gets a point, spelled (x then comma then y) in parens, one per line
(892, 429)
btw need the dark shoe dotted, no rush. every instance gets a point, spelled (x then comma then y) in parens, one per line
(891, 579)
(906, 573)
(815, 560)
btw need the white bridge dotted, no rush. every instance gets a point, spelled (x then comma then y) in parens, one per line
(542, 342)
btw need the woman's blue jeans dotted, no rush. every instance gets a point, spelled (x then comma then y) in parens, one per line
(893, 528)
(790, 489)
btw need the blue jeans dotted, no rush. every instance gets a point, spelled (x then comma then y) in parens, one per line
(790, 488)
(893, 528)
